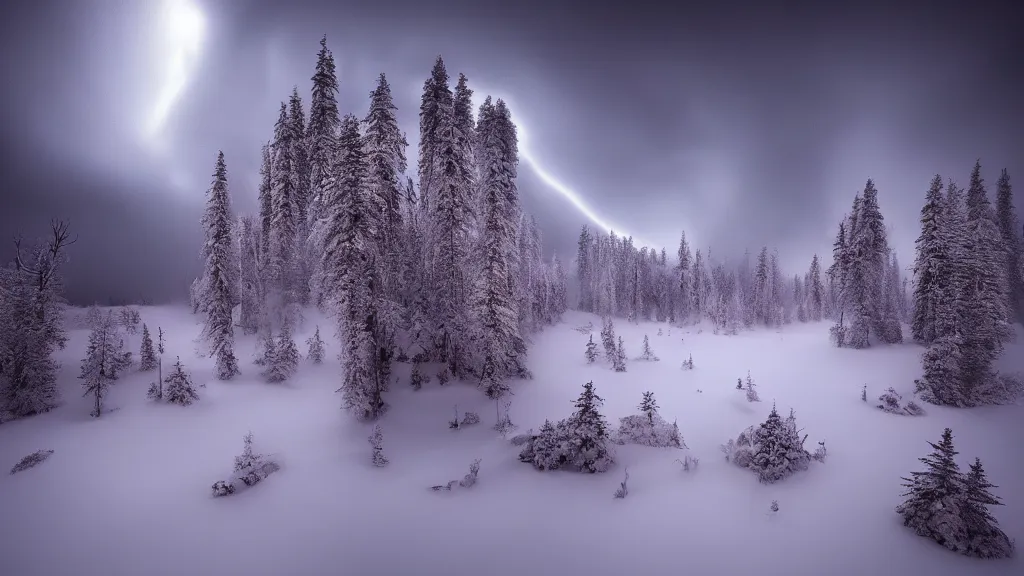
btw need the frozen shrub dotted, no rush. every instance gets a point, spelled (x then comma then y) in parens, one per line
(837, 335)
(688, 363)
(376, 440)
(739, 383)
(623, 490)
(773, 450)
(156, 391)
(469, 418)
(180, 389)
(689, 463)
(523, 439)
(864, 393)
(647, 354)
(282, 358)
(820, 453)
(660, 332)
(402, 356)
(774, 507)
(585, 329)
(444, 376)
(470, 479)
(316, 348)
(444, 487)
(648, 428)
(504, 425)
(591, 353)
(250, 468)
(752, 395)
(579, 442)
(130, 319)
(32, 460)
(454, 423)
(416, 379)
(890, 401)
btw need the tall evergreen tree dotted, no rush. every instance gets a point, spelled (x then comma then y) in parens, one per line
(250, 265)
(929, 266)
(436, 114)
(1013, 245)
(266, 201)
(504, 349)
(385, 154)
(282, 262)
(301, 179)
(220, 272)
(102, 359)
(322, 131)
(815, 291)
(446, 189)
(585, 272)
(935, 496)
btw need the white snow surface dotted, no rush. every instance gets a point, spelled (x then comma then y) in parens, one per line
(129, 494)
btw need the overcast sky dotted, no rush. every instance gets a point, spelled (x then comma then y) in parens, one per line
(741, 123)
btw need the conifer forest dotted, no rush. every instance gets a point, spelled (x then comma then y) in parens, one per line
(386, 368)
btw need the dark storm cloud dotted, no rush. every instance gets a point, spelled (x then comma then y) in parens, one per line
(744, 124)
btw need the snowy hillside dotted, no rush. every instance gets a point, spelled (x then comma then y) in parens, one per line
(128, 494)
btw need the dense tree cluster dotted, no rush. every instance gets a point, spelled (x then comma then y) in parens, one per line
(450, 270)
(964, 292)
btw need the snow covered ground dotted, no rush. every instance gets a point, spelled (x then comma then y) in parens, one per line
(129, 494)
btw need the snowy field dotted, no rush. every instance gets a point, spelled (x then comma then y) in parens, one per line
(129, 494)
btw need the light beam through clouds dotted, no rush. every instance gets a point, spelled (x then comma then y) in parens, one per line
(547, 178)
(182, 29)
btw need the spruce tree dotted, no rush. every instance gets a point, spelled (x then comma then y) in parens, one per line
(301, 179)
(220, 272)
(1013, 245)
(283, 361)
(283, 266)
(932, 254)
(769, 459)
(591, 353)
(649, 406)
(266, 202)
(102, 358)
(147, 357)
(322, 131)
(585, 270)
(815, 291)
(987, 262)
(588, 436)
(619, 362)
(496, 307)
(316, 347)
(436, 111)
(385, 148)
(935, 497)
(179, 388)
(250, 290)
(647, 353)
(685, 302)
(376, 441)
(986, 539)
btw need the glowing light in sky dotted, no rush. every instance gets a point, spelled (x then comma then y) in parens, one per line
(182, 28)
(547, 178)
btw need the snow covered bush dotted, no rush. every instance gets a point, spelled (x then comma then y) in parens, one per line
(444, 376)
(688, 363)
(773, 450)
(623, 490)
(179, 389)
(376, 440)
(751, 389)
(130, 319)
(504, 424)
(316, 348)
(951, 508)
(591, 352)
(469, 418)
(890, 401)
(282, 358)
(689, 463)
(820, 453)
(470, 478)
(647, 354)
(837, 335)
(102, 360)
(417, 378)
(579, 442)
(250, 469)
(34, 459)
(585, 329)
(648, 428)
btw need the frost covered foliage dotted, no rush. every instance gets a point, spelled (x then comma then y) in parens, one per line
(648, 354)
(751, 389)
(103, 359)
(688, 463)
(608, 339)
(316, 348)
(376, 441)
(250, 468)
(283, 358)
(648, 428)
(147, 356)
(591, 353)
(688, 363)
(32, 316)
(890, 401)
(951, 508)
(130, 319)
(470, 478)
(468, 419)
(579, 442)
(32, 460)
(773, 450)
(417, 378)
(619, 360)
(179, 388)
(623, 490)
(505, 425)
(216, 299)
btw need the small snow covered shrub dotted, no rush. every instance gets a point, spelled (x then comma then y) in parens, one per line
(444, 376)
(751, 388)
(688, 363)
(417, 378)
(820, 453)
(179, 389)
(402, 356)
(739, 383)
(647, 354)
(250, 469)
(585, 329)
(524, 438)
(282, 358)
(376, 440)
(837, 335)
(34, 459)
(454, 423)
(648, 428)
(774, 450)
(470, 479)
(504, 425)
(469, 418)
(316, 348)
(890, 401)
(689, 463)
(660, 333)
(774, 507)
(579, 442)
(445, 487)
(591, 353)
(130, 319)
(623, 490)
(864, 393)
(952, 508)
